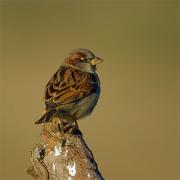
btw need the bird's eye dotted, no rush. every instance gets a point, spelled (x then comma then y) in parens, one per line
(87, 59)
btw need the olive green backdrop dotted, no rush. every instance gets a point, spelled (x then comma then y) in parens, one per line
(133, 131)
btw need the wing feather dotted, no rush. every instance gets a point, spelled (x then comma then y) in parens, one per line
(68, 85)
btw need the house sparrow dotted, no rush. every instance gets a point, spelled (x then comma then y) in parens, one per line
(73, 91)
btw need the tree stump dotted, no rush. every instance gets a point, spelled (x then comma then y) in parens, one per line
(62, 158)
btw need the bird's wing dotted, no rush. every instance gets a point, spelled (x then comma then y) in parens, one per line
(68, 85)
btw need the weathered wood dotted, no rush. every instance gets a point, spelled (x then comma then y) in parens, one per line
(62, 158)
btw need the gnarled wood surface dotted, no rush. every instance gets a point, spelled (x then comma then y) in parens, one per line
(62, 158)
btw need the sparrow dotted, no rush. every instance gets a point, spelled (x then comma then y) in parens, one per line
(73, 91)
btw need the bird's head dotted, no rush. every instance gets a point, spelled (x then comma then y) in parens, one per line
(83, 59)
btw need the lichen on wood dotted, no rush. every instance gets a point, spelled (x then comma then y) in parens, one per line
(62, 158)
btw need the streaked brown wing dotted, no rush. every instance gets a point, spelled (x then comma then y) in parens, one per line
(68, 85)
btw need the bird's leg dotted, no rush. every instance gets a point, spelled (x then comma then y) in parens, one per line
(76, 124)
(61, 130)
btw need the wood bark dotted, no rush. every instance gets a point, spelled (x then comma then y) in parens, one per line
(61, 156)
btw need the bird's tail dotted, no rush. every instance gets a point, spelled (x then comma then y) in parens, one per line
(47, 117)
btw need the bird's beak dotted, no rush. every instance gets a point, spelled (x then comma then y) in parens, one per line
(96, 60)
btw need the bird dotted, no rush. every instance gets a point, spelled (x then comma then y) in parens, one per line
(73, 91)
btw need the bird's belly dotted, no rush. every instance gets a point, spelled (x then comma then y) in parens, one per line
(85, 106)
(80, 109)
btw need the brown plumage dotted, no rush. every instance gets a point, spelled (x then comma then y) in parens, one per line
(74, 89)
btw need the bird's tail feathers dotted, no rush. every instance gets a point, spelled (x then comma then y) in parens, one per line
(47, 116)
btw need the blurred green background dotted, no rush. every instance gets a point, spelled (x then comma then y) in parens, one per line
(133, 131)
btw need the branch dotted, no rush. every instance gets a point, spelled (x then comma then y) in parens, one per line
(65, 157)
